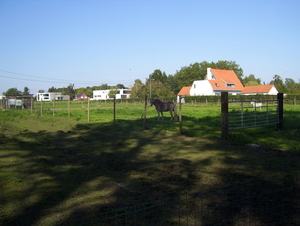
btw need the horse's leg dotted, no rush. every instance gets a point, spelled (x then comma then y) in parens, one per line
(157, 115)
(162, 115)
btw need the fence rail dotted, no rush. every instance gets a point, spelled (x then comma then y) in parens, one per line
(241, 114)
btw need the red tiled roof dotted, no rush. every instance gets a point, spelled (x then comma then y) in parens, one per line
(184, 91)
(224, 77)
(257, 89)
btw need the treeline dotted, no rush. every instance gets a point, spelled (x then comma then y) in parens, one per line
(159, 84)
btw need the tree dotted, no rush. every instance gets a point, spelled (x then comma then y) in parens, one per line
(251, 81)
(292, 87)
(278, 83)
(157, 85)
(52, 89)
(12, 92)
(120, 86)
(112, 93)
(138, 89)
(104, 87)
(69, 91)
(79, 90)
(26, 91)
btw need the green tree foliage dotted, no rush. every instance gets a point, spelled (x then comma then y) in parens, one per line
(69, 90)
(26, 91)
(52, 89)
(12, 92)
(138, 89)
(113, 92)
(251, 80)
(120, 86)
(292, 87)
(80, 90)
(278, 83)
(157, 85)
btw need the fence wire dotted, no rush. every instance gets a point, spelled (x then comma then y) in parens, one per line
(254, 202)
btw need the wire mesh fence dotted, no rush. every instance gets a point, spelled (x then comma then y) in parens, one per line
(253, 202)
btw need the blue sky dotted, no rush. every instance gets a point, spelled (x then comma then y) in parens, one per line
(55, 43)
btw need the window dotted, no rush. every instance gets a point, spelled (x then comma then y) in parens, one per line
(217, 84)
(194, 86)
(230, 85)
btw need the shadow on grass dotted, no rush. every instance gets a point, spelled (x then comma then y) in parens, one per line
(73, 177)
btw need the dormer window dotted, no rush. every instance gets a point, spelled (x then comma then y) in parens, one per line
(217, 84)
(230, 85)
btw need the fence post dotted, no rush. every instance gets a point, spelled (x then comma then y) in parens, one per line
(114, 109)
(224, 115)
(88, 110)
(53, 108)
(41, 107)
(31, 104)
(180, 116)
(145, 111)
(280, 110)
(69, 108)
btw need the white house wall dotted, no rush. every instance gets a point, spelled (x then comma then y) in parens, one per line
(273, 91)
(51, 96)
(201, 88)
(101, 94)
(104, 94)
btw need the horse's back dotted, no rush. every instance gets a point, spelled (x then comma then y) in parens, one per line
(169, 106)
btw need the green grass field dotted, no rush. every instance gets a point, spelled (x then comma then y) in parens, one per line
(58, 170)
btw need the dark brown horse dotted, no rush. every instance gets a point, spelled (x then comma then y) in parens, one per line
(164, 106)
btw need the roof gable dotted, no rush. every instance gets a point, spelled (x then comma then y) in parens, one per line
(225, 80)
(80, 94)
(184, 91)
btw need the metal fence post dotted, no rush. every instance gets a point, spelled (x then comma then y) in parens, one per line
(224, 115)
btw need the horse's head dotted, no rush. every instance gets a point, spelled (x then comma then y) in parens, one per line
(152, 101)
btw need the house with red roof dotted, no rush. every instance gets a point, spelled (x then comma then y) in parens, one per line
(81, 96)
(260, 89)
(217, 81)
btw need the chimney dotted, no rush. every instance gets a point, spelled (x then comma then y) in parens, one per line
(209, 74)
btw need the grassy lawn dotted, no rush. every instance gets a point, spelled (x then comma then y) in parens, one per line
(57, 170)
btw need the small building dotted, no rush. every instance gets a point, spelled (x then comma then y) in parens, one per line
(185, 91)
(104, 94)
(81, 96)
(51, 96)
(260, 89)
(18, 101)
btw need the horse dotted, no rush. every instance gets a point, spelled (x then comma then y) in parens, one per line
(164, 106)
(256, 105)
